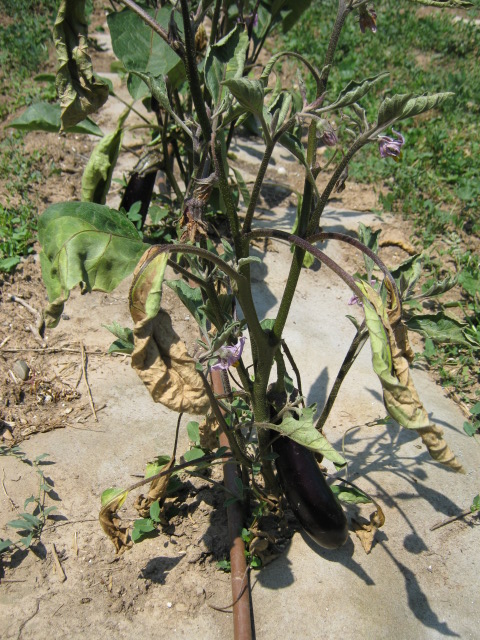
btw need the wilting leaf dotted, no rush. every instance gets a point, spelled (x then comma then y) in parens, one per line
(157, 491)
(97, 175)
(80, 92)
(439, 327)
(249, 93)
(145, 296)
(366, 531)
(390, 356)
(86, 243)
(112, 500)
(302, 430)
(401, 106)
(43, 116)
(161, 360)
(225, 60)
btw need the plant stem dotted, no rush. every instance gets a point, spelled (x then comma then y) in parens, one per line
(355, 348)
(257, 188)
(192, 73)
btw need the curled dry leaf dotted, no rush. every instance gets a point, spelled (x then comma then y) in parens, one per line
(160, 357)
(366, 531)
(391, 356)
(161, 360)
(209, 430)
(157, 491)
(112, 524)
(80, 91)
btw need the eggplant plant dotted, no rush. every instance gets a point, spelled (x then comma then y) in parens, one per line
(201, 78)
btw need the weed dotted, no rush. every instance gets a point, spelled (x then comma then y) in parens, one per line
(29, 525)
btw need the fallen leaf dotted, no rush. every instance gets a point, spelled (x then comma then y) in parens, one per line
(366, 531)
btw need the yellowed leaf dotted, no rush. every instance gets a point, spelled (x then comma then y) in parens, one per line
(391, 356)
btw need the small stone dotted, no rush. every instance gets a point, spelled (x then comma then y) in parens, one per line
(21, 370)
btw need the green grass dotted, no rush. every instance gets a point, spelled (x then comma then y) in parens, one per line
(24, 38)
(19, 173)
(437, 182)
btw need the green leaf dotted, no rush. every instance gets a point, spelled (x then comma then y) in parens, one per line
(156, 466)
(27, 540)
(125, 343)
(224, 565)
(193, 454)
(33, 520)
(43, 116)
(475, 504)
(249, 93)
(193, 431)
(141, 528)
(243, 261)
(402, 106)
(22, 524)
(80, 92)
(475, 410)
(469, 429)
(158, 89)
(295, 146)
(407, 273)
(369, 238)
(191, 297)
(438, 288)
(225, 60)
(470, 283)
(354, 90)
(7, 264)
(142, 50)
(114, 494)
(439, 327)
(97, 176)
(155, 511)
(87, 243)
(301, 429)
(5, 545)
(349, 495)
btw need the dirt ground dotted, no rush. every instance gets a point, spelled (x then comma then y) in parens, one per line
(72, 584)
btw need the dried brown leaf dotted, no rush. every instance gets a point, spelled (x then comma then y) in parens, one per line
(209, 430)
(391, 356)
(112, 524)
(157, 491)
(366, 531)
(161, 360)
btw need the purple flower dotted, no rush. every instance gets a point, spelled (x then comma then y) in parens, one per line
(391, 146)
(367, 19)
(228, 356)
